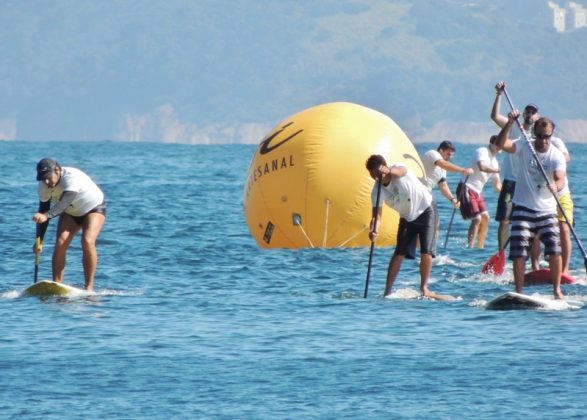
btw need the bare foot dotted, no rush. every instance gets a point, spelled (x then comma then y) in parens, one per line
(558, 294)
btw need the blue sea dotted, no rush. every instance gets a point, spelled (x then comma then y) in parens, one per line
(190, 319)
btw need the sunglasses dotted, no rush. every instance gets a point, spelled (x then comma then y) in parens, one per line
(541, 136)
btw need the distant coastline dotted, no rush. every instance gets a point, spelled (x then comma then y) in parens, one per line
(463, 132)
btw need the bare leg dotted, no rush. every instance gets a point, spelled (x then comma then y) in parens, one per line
(566, 245)
(91, 229)
(425, 268)
(535, 253)
(394, 265)
(473, 228)
(66, 230)
(482, 232)
(519, 272)
(555, 263)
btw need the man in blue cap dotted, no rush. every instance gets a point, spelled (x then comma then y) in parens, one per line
(80, 205)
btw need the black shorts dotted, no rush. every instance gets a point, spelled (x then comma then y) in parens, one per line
(424, 228)
(100, 208)
(504, 202)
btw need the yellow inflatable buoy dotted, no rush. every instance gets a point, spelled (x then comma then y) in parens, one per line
(307, 185)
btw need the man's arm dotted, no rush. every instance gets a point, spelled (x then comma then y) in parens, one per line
(483, 167)
(451, 167)
(496, 116)
(445, 191)
(559, 179)
(398, 171)
(375, 223)
(503, 142)
(42, 227)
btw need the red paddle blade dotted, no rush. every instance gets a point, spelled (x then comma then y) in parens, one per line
(495, 264)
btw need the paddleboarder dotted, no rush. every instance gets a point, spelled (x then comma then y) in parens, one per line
(564, 223)
(79, 204)
(535, 207)
(436, 164)
(508, 165)
(403, 191)
(473, 206)
(509, 174)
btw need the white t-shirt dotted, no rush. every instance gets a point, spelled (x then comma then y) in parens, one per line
(406, 194)
(434, 174)
(509, 162)
(479, 178)
(508, 167)
(531, 188)
(88, 195)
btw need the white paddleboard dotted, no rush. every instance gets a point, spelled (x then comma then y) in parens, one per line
(513, 300)
(51, 288)
(416, 294)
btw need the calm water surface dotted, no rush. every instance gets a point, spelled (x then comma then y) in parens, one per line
(191, 320)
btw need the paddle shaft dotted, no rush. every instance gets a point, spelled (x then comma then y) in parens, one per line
(37, 257)
(539, 164)
(454, 210)
(506, 244)
(375, 217)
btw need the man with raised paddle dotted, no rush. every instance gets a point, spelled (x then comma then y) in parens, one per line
(542, 171)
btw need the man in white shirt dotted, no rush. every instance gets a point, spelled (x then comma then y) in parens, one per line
(436, 164)
(80, 205)
(403, 191)
(535, 208)
(509, 167)
(566, 201)
(473, 204)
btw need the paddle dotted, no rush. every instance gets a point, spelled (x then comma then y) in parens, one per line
(496, 264)
(376, 215)
(38, 248)
(454, 211)
(543, 172)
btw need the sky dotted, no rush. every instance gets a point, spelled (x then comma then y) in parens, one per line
(227, 71)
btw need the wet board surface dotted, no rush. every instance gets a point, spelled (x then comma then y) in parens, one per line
(513, 300)
(51, 288)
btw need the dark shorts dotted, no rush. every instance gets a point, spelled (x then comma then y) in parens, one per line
(100, 208)
(504, 202)
(423, 228)
(472, 203)
(525, 225)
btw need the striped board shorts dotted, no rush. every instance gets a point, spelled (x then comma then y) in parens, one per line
(525, 225)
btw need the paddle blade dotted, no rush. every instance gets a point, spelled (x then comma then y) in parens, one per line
(495, 264)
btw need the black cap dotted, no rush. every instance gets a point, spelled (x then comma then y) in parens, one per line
(45, 168)
(446, 144)
(532, 106)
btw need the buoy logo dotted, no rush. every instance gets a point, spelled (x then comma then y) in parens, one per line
(266, 147)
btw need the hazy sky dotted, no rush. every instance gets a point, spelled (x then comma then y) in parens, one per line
(208, 71)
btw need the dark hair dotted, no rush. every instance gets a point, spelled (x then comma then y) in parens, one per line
(374, 162)
(493, 139)
(446, 144)
(544, 122)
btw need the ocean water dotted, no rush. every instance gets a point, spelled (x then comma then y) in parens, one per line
(191, 319)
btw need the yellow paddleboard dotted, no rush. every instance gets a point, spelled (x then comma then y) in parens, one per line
(51, 288)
